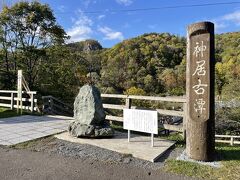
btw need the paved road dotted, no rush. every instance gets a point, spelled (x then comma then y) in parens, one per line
(26, 164)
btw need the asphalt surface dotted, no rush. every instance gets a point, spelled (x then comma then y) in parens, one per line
(36, 163)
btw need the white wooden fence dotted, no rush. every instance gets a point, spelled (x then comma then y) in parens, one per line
(55, 106)
(128, 105)
(173, 127)
(227, 139)
(8, 99)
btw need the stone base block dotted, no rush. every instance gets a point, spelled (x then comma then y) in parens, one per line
(77, 129)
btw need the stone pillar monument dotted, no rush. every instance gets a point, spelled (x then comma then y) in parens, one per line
(200, 128)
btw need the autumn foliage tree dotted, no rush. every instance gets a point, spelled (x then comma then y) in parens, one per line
(26, 30)
(228, 65)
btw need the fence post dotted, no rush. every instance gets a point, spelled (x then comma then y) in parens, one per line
(51, 103)
(128, 103)
(32, 103)
(232, 141)
(19, 89)
(12, 101)
(128, 106)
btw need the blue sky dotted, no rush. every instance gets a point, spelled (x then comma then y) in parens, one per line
(110, 27)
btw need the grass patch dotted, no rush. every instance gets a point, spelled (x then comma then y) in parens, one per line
(180, 142)
(6, 113)
(25, 145)
(229, 157)
(188, 169)
(33, 143)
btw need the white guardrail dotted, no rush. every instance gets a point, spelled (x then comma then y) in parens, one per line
(9, 98)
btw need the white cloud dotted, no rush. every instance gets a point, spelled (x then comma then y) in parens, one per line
(219, 25)
(62, 8)
(125, 2)
(79, 33)
(87, 3)
(231, 19)
(152, 26)
(83, 20)
(126, 25)
(102, 16)
(110, 34)
(81, 29)
(234, 17)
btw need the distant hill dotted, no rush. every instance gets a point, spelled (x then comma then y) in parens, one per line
(228, 65)
(141, 61)
(86, 46)
(156, 62)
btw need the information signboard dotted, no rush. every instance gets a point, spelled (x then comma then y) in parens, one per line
(140, 120)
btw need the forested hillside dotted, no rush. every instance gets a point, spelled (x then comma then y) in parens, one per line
(155, 64)
(151, 62)
(228, 65)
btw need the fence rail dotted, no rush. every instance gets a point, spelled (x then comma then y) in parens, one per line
(52, 105)
(180, 99)
(8, 99)
(128, 105)
(227, 139)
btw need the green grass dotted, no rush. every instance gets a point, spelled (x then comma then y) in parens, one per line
(6, 113)
(177, 137)
(230, 170)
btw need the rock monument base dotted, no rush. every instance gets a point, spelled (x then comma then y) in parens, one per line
(89, 115)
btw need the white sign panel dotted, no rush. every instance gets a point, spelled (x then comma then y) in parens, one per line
(140, 120)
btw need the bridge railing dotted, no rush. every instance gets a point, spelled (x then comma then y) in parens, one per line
(8, 98)
(128, 105)
(52, 105)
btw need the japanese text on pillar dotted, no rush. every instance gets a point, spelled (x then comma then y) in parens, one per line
(200, 71)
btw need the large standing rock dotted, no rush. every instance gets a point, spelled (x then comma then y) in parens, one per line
(89, 115)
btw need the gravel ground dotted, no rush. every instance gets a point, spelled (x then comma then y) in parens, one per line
(51, 158)
(24, 164)
(85, 151)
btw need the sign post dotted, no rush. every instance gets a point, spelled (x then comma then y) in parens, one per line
(19, 88)
(200, 130)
